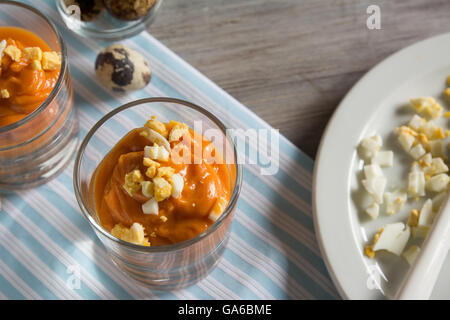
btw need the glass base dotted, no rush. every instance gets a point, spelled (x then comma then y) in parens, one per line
(175, 278)
(46, 166)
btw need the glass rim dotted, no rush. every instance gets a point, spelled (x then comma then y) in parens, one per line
(111, 34)
(62, 72)
(164, 248)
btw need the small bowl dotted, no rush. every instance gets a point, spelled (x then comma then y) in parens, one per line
(106, 26)
(37, 147)
(159, 267)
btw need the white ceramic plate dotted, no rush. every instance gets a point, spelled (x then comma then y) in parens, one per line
(376, 104)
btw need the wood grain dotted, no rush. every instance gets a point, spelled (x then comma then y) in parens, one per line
(291, 62)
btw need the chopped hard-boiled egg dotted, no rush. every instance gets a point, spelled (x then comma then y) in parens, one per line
(416, 184)
(438, 200)
(157, 126)
(147, 188)
(156, 137)
(156, 152)
(416, 122)
(372, 171)
(150, 207)
(177, 183)
(417, 151)
(427, 106)
(438, 183)
(135, 234)
(393, 238)
(437, 148)
(411, 254)
(394, 201)
(426, 214)
(2, 47)
(162, 189)
(133, 181)
(383, 158)
(178, 131)
(420, 231)
(218, 209)
(374, 182)
(423, 139)
(370, 146)
(406, 137)
(375, 187)
(373, 210)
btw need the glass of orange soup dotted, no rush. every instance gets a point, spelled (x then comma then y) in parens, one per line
(38, 124)
(158, 180)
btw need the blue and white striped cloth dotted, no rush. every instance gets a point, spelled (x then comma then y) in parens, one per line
(272, 252)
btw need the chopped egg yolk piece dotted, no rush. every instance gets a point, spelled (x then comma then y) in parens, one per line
(427, 106)
(133, 181)
(178, 131)
(156, 125)
(162, 189)
(135, 234)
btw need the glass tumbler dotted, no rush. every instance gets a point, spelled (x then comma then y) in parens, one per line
(35, 148)
(105, 26)
(160, 267)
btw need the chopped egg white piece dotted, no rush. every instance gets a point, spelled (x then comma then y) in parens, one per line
(438, 182)
(437, 149)
(416, 122)
(426, 160)
(417, 151)
(370, 146)
(420, 231)
(394, 201)
(147, 188)
(438, 166)
(416, 184)
(393, 238)
(411, 254)
(218, 208)
(375, 187)
(383, 158)
(426, 215)
(150, 207)
(438, 200)
(177, 185)
(372, 171)
(405, 138)
(156, 152)
(157, 138)
(373, 210)
(2, 47)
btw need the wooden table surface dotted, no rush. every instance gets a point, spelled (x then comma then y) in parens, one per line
(292, 61)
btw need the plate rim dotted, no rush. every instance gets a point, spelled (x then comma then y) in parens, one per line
(334, 271)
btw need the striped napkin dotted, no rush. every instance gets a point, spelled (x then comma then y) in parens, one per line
(272, 252)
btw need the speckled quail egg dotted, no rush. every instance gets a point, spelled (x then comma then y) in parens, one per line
(89, 9)
(122, 69)
(129, 9)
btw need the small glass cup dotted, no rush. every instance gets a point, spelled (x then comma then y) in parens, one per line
(37, 147)
(161, 267)
(105, 26)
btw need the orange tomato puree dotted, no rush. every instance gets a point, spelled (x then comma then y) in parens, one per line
(205, 183)
(27, 87)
